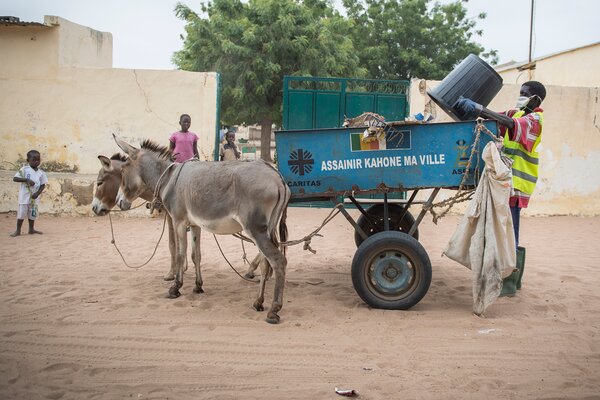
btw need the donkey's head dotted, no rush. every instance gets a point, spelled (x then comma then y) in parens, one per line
(142, 169)
(107, 185)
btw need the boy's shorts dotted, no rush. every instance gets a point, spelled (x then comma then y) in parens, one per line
(27, 211)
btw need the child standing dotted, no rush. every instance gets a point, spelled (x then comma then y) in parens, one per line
(33, 182)
(229, 150)
(184, 144)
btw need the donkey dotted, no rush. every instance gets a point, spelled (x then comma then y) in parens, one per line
(105, 199)
(220, 197)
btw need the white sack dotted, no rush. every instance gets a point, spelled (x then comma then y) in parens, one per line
(484, 241)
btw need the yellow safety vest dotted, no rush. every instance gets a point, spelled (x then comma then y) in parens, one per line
(525, 163)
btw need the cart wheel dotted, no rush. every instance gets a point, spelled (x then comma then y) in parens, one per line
(376, 211)
(391, 270)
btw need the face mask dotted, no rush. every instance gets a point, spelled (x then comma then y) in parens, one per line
(522, 102)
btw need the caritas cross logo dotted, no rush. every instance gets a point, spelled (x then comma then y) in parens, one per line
(301, 162)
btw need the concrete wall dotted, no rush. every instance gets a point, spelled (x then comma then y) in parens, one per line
(61, 97)
(578, 67)
(28, 51)
(569, 183)
(37, 51)
(80, 46)
(71, 119)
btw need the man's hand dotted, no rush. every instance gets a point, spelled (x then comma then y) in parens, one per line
(30, 182)
(467, 108)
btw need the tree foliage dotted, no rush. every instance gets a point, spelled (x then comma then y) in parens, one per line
(254, 44)
(403, 39)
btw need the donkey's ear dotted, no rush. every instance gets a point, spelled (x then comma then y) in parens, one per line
(126, 147)
(106, 164)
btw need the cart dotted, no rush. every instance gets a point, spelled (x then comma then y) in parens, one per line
(390, 269)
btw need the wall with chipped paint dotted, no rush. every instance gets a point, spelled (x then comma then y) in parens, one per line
(71, 118)
(61, 97)
(569, 182)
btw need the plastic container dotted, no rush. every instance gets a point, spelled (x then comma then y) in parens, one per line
(472, 78)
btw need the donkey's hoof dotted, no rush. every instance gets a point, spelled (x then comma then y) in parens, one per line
(258, 306)
(173, 293)
(198, 289)
(249, 275)
(272, 318)
(169, 277)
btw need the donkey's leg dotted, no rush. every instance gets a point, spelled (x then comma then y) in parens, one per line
(196, 257)
(264, 272)
(278, 262)
(180, 255)
(253, 266)
(171, 275)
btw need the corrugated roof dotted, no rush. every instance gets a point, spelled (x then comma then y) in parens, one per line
(8, 20)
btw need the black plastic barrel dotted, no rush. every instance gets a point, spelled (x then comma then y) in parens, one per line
(472, 78)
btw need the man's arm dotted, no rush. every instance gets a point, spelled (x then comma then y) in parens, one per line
(23, 180)
(502, 119)
(196, 149)
(468, 109)
(40, 190)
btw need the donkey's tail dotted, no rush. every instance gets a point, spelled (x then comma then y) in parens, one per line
(283, 231)
(279, 215)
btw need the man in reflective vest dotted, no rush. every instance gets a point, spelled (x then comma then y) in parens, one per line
(521, 128)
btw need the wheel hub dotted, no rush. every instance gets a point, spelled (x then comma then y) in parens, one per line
(392, 272)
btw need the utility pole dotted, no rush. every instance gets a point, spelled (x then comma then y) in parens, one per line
(530, 35)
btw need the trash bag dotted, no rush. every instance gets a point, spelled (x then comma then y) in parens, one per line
(484, 240)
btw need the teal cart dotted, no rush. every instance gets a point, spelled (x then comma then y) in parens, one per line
(390, 269)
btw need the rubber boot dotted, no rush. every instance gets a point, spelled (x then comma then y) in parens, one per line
(520, 264)
(509, 284)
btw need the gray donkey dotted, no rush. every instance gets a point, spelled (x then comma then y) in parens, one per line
(220, 197)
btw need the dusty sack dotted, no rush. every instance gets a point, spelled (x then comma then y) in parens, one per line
(484, 240)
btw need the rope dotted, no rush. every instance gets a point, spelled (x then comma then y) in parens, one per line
(463, 194)
(307, 239)
(231, 266)
(130, 209)
(121, 254)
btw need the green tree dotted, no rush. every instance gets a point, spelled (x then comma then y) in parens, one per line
(404, 39)
(254, 44)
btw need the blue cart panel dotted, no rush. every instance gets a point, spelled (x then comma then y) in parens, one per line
(329, 162)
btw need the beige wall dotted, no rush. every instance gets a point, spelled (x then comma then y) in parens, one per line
(28, 51)
(579, 67)
(80, 46)
(61, 97)
(569, 182)
(37, 51)
(71, 119)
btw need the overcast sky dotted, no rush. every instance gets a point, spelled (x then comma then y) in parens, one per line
(146, 32)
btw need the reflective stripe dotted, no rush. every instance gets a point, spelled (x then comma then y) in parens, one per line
(525, 176)
(525, 163)
(522, 154)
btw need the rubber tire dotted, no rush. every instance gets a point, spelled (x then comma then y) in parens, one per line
(405, 246)
(394, 215)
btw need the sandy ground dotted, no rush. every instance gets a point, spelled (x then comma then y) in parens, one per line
(75, 323)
